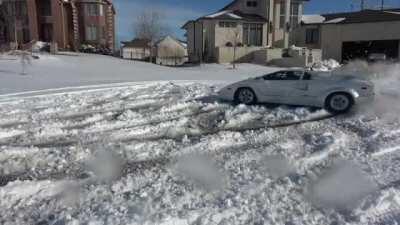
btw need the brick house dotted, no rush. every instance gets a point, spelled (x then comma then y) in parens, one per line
(69, 23)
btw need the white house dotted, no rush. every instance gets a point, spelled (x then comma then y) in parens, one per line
(171, 52)
(254, 25)
(137, 49)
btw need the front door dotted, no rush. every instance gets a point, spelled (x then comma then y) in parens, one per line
(47, 32)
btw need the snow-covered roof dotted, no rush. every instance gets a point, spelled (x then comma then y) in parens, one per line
(312, 19)
(336, 20)
(364, 16)
(224, 13)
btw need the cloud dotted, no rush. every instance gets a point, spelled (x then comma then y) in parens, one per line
(175, 16)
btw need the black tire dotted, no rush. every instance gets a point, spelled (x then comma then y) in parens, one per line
(339, 103)
(245, 96)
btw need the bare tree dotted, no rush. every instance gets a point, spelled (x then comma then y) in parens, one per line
(149, 25)
(235, 37)
(25, 58)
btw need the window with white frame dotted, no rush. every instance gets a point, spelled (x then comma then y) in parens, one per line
(93, 9)
(294, 15)
(252, 34)
(91, 33)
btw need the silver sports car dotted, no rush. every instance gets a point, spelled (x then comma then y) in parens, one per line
(336, 93)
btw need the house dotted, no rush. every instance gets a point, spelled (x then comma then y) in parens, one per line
(138, 49)
(257, 30)
(69, 23)
(352, 35)
(171, 52)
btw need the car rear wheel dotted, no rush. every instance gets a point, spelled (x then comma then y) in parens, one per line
(245, 96)
(338, 103)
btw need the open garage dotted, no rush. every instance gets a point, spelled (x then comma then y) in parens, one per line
(362, 49)
(352, 35)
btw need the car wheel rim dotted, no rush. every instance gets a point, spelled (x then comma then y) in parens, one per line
(340, 102)
(246, 96)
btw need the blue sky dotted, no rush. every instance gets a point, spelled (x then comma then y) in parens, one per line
(177, 12)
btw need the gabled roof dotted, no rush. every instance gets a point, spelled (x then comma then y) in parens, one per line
(136, 43)
(365, 16)
(235, 1)
(180, 42)
(235, 15)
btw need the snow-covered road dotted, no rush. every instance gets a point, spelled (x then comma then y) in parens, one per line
(170, 153)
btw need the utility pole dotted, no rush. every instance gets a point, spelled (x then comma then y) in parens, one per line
(362, 5)
(382, 4)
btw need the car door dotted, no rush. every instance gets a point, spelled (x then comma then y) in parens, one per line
(278, 87)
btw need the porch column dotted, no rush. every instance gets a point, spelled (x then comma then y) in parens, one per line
(271, 23)
(287, 21)
(75, 24)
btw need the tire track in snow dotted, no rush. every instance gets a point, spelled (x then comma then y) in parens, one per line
(135, 167)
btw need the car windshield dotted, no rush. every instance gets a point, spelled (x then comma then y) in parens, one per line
(199, 112)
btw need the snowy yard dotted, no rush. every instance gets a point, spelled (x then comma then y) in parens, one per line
(161, 152)
(53, 72)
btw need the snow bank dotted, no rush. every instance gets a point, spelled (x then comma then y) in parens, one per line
(326, 65)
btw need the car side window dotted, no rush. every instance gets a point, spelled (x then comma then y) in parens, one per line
(284, 75)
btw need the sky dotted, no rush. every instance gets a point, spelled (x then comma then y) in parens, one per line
(177, 12)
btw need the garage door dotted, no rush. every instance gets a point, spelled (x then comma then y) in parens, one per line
(361, 49)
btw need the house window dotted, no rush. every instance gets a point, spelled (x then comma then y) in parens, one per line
(312, 36)
(45, 8)
(252, 34)
(17, 8)
(228, 24)
(294, 15)
(91, 33)
(94, 9)
(251, 4)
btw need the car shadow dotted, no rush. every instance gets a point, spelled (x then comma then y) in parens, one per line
(215, 99)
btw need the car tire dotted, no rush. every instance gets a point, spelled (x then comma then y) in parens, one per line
(245, 96)
(339, 103)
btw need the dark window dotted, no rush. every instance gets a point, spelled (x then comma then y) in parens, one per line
(284, 75)
(251, 4)
(252, 34)
(45, 7)
(312, 36)
(228, 24)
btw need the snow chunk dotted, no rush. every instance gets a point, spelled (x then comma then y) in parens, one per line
(326, 65)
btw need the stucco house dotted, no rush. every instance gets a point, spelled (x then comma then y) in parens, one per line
(171, 52)
(352, 35)
(253, 27)
(137, 49)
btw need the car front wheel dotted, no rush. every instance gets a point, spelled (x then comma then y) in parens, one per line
(338, 103)
(245, 96)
